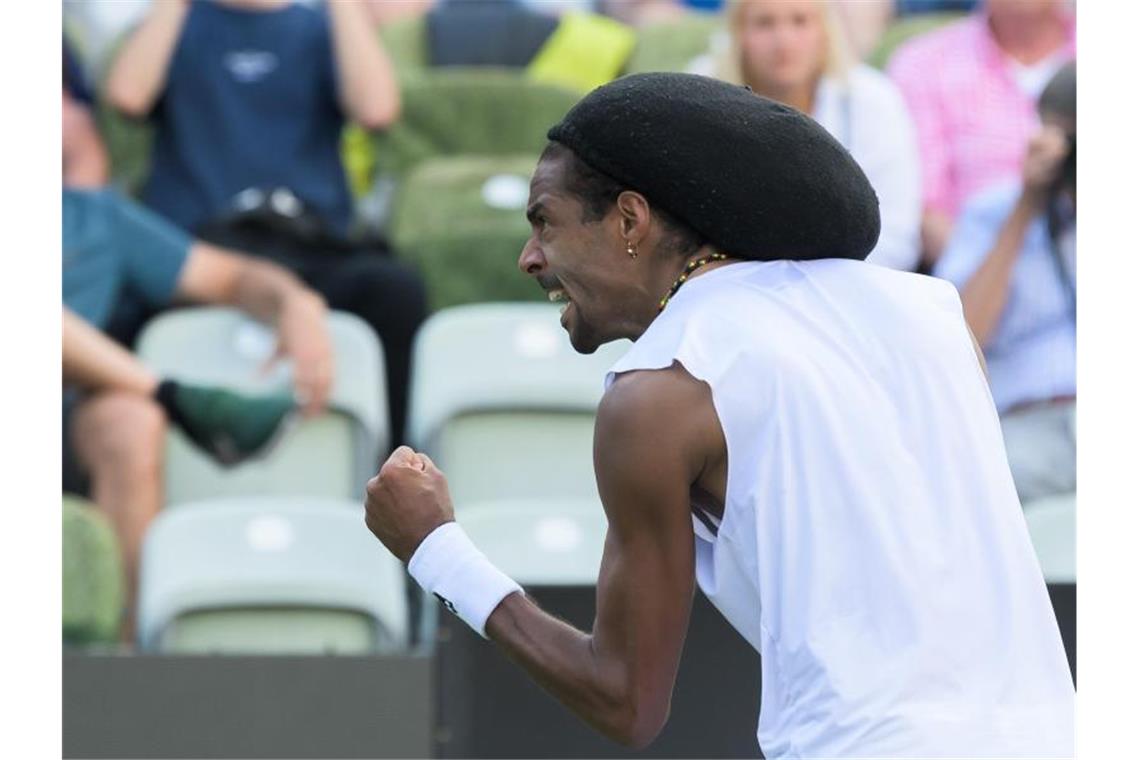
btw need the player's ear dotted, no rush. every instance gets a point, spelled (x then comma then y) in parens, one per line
(634, 213)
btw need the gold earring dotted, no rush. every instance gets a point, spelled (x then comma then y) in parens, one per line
(630, 249)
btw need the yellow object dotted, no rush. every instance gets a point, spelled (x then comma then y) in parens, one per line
(585, 51)
(359, 159)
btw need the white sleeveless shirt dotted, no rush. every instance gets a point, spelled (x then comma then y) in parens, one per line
(872, 548)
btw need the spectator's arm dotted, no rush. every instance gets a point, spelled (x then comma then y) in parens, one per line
(85, 161)
(369, 93)
(911, 72)
(274, 295)
(985, 293)
(891, 161)
(138, 73)
(92, 360)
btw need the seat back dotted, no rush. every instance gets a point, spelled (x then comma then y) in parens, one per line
(1052, 525)
(503, 403)
(93, 580)
(470, 111)
(332, 455)
(672, 45)
(545, 542)
(261, 576)
(461, 221)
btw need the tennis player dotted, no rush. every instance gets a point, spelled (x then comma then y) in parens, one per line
(807, 437)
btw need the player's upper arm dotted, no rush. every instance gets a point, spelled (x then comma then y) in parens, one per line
(647, 453)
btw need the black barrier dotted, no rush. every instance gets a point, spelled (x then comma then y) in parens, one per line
(488, 707)
(1064, 599)
(156, 706)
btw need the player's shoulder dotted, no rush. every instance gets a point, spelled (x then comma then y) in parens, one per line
(655, 406)
(642, 395)
(655, 424)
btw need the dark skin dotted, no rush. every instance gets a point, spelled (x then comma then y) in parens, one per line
(658, 450)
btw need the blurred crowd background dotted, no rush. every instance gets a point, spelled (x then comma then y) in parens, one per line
(290, 235)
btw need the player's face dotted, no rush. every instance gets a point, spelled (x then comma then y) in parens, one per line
(782, 43)
(582, 264)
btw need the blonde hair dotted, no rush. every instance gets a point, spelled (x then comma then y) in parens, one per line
(729, 60)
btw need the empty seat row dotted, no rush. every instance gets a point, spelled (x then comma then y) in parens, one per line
(274, 556)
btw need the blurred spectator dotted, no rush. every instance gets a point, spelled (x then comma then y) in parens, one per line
(914, 7)
(97, 26)
(644, 12)
(486, 33)
(1013, 257)
(249, 98)
(971, 88)
(864, 23)
(384, 12)
(793, 51)
(85, 162)
(114, 436)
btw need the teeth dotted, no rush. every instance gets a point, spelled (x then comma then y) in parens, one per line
(557, 296)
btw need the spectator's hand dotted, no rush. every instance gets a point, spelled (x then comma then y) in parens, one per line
(303, 336)
(1043, 159)
(406, 501)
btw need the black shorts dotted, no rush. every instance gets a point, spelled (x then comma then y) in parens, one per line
(75, 477)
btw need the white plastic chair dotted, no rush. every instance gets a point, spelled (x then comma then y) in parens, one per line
(504, 404)
(269, 576)
(544, 542)
(332, 455)
(1052, 525)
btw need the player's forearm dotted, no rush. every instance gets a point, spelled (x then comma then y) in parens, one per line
(138, 73)
(566, 663)
(367, 80)
(985, 294)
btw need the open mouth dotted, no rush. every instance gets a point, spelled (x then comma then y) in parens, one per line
(558, 295)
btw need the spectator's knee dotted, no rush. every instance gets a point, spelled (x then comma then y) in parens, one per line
(121, 431)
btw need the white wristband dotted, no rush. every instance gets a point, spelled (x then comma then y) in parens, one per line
(448, 565)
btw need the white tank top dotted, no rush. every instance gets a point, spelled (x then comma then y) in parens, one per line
(872, 548)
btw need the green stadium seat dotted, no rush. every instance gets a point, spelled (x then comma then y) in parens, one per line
(905, 29)
(504, 405)
(128, 144)
(332, 455)
(459, 128)
(93, 580)
(1053, 528)
(470, 111)
(405, 41)
(672, 45)
(269, 576)
(466, 247)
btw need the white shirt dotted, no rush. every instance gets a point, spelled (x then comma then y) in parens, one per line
(872, 549)
(867, 115)
(1032, 78)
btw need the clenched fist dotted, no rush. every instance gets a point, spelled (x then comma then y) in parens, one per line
(406, 501)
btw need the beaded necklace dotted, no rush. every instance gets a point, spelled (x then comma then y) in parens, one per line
(691, 267)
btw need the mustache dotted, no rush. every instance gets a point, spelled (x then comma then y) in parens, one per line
(547, 282)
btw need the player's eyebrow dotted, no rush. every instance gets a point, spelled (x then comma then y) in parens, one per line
(533, 210)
